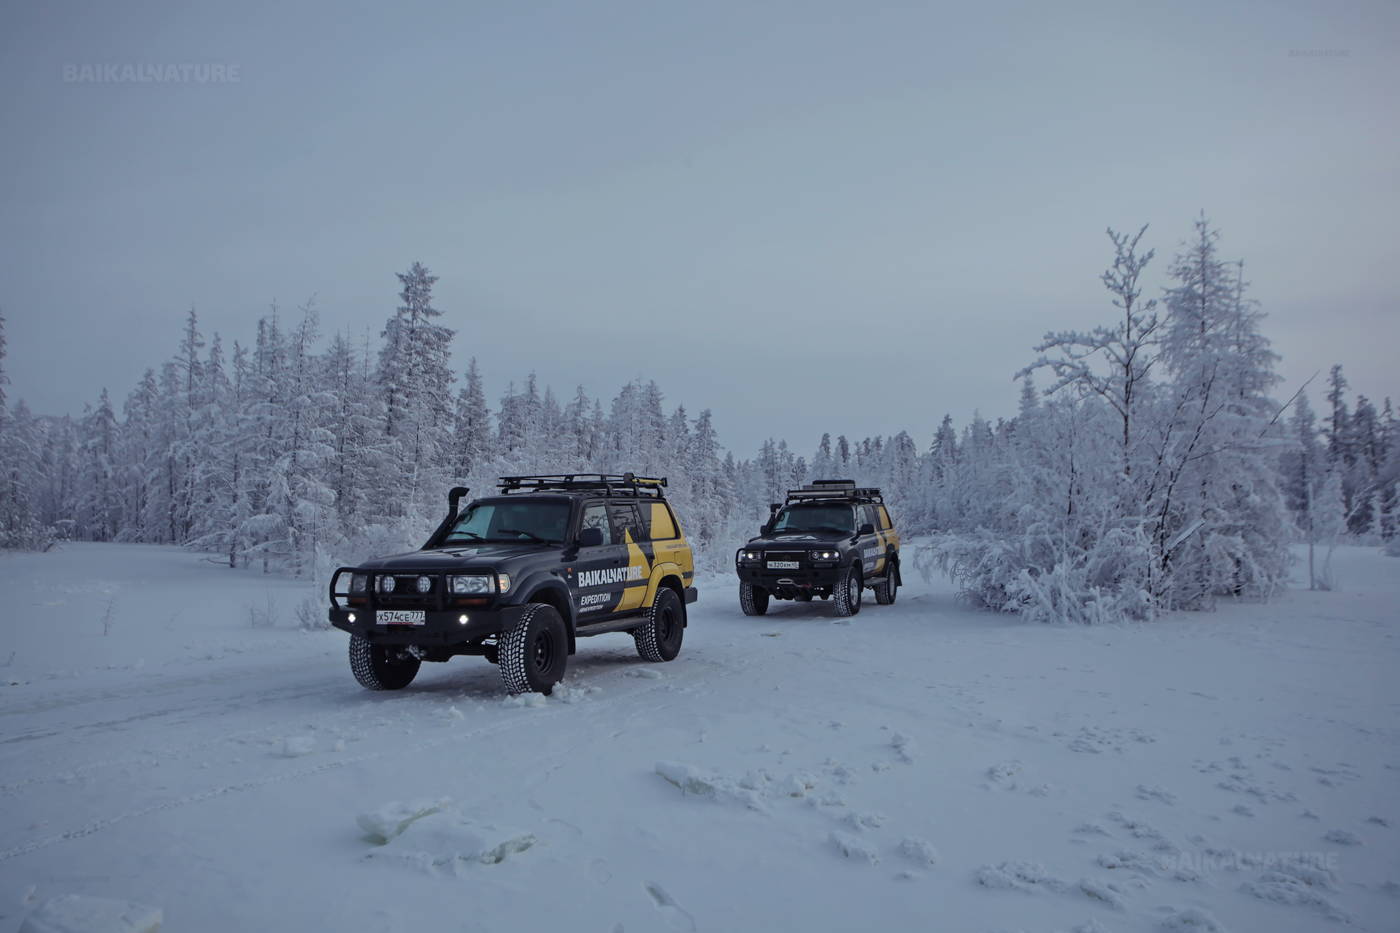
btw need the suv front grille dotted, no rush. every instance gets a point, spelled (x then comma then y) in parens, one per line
(406, 595)
(798, 556)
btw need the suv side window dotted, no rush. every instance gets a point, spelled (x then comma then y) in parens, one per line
(624, 519)
(884, 524)
(595, 515)
(867, 516)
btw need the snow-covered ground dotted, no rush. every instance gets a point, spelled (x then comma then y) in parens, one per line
(168, 737)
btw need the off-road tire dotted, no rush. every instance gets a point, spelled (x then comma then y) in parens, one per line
(534, 652)
(885, 592)
(376, 669)
(659, 637)
(753, 599)
(847, 593)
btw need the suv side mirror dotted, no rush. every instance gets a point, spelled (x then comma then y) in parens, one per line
(590, 537)
(866, 529)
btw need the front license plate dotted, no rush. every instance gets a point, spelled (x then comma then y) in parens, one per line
(783, 565)
(400, 617)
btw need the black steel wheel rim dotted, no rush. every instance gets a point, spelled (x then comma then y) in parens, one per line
(542, 651)
(667, 625)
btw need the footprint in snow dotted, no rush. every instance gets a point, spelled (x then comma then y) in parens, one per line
(676, 916)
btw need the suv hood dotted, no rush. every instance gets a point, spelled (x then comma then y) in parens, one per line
(800, 539)
(486, 556)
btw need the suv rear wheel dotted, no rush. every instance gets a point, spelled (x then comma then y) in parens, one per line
(380, 667)
(847, 593)
(753, 599)
(885, 592)
(534, 652)
(659, 638)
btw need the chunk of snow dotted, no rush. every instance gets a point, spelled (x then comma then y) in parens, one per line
(78, 913)
(903, 747)
(918, 851)
(444, 840)
(295, 746)
(1018, 876)
(853, 848)
(389, 821)
(1102, 892)
(690, 779)
(1191, 920)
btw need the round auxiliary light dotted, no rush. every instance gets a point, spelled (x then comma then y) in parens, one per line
(386, 584)
(425, 584)
(462, 620)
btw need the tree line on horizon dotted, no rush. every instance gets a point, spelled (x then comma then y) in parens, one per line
(1156, 471)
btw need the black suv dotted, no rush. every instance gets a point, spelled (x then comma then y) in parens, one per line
(518, 577)
(830, 539)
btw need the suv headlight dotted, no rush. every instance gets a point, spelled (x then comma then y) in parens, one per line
(748, 556)
(826, 555)
(478, 584)
(359, 582)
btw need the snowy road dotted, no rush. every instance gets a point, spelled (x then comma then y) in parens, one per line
(920, 766)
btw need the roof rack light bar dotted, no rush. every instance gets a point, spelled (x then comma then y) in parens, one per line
(835, 489)
(606, 483)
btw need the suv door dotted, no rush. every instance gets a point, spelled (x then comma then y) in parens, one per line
(631, 537)
(598, 570)
(885, 526)
(872, 551)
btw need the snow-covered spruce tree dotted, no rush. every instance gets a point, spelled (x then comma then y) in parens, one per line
(99, 513)
(711, 492)
(471, 436)
(57, 482)
(140, 413)
(415, 380)
(1219, 525)
(1362, 477)
(1388, 500)
(1303, 467)
(214, 441)
(356, 423)
(20, 444)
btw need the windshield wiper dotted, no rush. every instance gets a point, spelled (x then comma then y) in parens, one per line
(534, 538)
(466, 535)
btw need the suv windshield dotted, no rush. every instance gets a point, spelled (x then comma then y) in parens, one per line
(815, 517)
(537, 521)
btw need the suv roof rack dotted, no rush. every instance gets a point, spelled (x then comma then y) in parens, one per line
(607, 484)
(835, 489)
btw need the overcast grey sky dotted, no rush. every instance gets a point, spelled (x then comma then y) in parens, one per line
(807, 216)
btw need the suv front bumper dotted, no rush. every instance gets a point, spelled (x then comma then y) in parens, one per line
(804, 577)
(440, 628)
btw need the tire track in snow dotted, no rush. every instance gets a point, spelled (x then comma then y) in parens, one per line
(550, 711)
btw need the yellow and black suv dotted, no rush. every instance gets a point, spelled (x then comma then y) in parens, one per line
(830, 539)
(518, 577)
